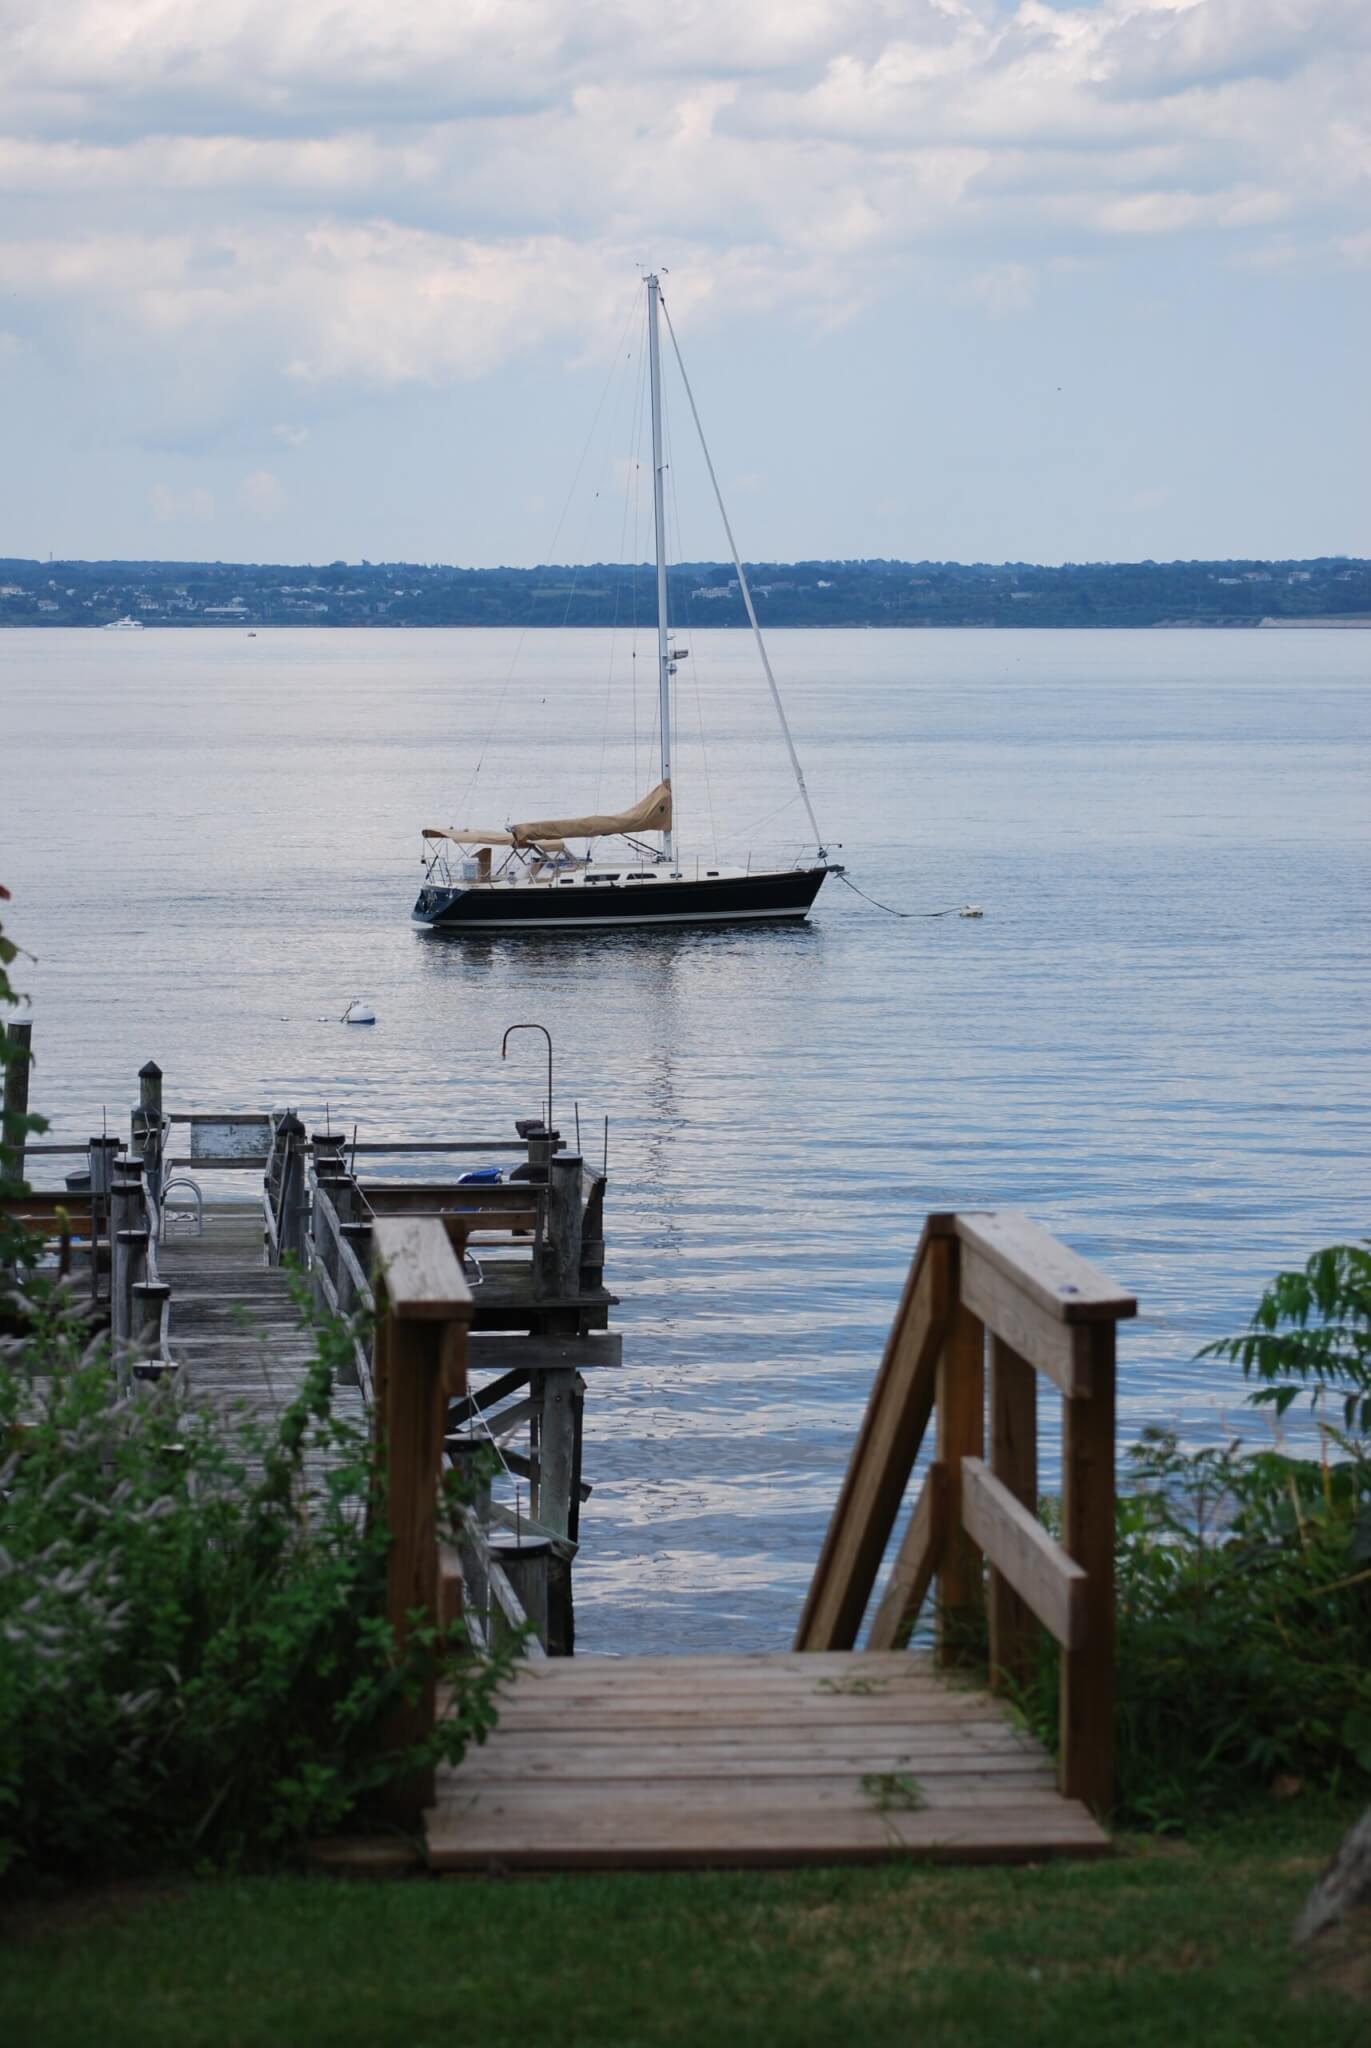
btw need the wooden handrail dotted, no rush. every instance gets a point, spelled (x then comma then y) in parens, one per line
(993, 1276)
(424, 1311)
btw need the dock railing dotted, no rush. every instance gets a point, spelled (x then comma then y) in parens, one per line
(992, 1301)
(423, 1315)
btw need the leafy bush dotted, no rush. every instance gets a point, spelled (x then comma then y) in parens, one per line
(191, 1665)
(1312, 1333)
(1244, 1617)
(1244, 1577)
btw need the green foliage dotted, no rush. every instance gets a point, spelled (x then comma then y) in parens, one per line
(1243, 1584)
(194, 1663)
(1243, 1577)
(1312, 1333)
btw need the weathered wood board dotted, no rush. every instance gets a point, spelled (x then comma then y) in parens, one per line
(750, 1761)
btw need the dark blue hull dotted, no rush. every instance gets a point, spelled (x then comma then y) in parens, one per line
(520, 907)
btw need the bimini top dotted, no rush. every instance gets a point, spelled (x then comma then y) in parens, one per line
(651, 814)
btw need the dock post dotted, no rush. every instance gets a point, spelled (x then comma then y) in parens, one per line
(102, 1155)
(19, 1039)
(560, 1259)
(125, 1215)
(524, 1562)
(470, 1459)
(329, 1150)
(561, 1418)
(149, 1300)
(147, 1124)
(593, 1236)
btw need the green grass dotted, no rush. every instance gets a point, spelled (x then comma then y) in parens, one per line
(1168, 1944)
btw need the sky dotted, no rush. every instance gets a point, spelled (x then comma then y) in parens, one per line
(301, 280)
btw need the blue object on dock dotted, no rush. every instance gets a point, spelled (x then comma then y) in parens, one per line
(480, 1176)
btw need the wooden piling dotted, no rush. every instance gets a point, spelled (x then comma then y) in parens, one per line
(524, 1562)
(146, 1124)
(148, 1305)
(126, 1214)
(561, 1413)
(559, 1273)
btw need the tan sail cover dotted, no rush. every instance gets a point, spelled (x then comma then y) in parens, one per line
(652, 814)
(472, 838)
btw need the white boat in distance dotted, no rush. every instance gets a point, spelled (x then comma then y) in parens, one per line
(123, 626)
(538, 883)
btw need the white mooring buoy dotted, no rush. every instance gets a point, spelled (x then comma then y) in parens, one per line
(358, 1012)
(971, 910)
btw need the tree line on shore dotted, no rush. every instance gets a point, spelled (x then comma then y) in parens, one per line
(810, 593)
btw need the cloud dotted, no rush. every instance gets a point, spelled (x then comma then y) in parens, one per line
(294, 437)
(1005, 289)
(196, 504)
(334, 193)
(262, 494)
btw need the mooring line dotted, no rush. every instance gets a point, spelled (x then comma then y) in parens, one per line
(951, 912)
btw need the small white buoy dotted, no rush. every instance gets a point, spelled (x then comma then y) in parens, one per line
(358, 1012)
(971, 910)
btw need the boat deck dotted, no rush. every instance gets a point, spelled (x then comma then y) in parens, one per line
(750, 1761)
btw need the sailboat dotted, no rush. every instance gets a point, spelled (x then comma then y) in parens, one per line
(528, 877)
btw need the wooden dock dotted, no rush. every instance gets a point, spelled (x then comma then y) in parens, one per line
(831, 1752)
(234, 1330)
(680, 1762)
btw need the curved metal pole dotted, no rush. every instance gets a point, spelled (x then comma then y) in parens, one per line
(548, 1036)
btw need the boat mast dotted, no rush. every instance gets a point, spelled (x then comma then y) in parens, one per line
(659, 524)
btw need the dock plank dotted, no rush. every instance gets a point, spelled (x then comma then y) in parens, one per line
(750, 1761)
(234, 1329)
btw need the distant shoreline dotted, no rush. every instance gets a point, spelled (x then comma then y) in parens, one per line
(1323, 592)
(1016, 625)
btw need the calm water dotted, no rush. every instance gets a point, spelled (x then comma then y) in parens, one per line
(1154, 1041)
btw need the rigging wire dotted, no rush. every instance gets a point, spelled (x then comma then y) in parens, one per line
(694, 664)
(625, 579)
(743, 585)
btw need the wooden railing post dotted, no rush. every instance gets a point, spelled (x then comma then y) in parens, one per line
(1014, 1462)
(559, 1262)
(102, 1153)
(149, 1303)
(423, 1316)
(524, 1561)
(126, 1213)
(146, 1132)
(1086, 1755)
(961, 1434)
